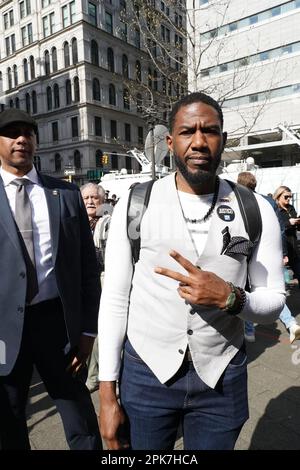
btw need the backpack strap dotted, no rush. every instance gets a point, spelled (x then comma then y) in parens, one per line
(250, 211)
(137, 204)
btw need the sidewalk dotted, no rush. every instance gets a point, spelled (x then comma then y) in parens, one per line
(274, 395)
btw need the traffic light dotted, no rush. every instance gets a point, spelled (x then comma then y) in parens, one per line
(104, 159)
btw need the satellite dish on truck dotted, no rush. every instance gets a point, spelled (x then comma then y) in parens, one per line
(160, 145)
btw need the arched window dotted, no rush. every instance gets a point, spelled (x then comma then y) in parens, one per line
(149, 78)
(15, 75)
(125, 66)
(32, 67)
(66, 54)
(34, 102)
(47, 62)
(25, 70)
(94, 53)
(56, 95)
(110, 60)
(77, 160)
(11, 103)
(76, 90)
(27, 102)
(96, 90)
(112, 94)
(54, 59)
(57, 161)
(98, 158)
(9, 79)
(138, 71)
(68, 92)
(17, 101)
(114, 161)
(74, 51)
(49, 98)
(139, 103)
(126, 98)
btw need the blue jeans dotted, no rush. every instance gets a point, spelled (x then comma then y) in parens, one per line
(210, 418)
(287, 318)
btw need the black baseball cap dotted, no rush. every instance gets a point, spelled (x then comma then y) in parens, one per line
(13, 116)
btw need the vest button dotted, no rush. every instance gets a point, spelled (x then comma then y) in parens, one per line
(190, 332)
(180, 351)
(20, 309)
(22, 274)
(192, 311)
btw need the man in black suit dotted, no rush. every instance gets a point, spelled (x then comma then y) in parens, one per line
(48, 301)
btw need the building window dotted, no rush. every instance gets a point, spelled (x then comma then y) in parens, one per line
(138, 71)
(127, 128)
(77, 159)
(140, 135)
(37, 162)
(34, 102)
(17, 101)
(15, 70)
(128, 162)
(9, 78)
(56, 95)
(125, 66)
(113, 129)
(108, 22)
(68, 14)
(57, 162)
(47, 62)
(98, 126)
(55, 131)
(32, 67)
(54, 59)
(45, 3)
(126, 98)
(94, 52)
(66, 54)
(49, 98)
(137, 38)
(110, 60)
(25, 70)
(26, 34)
(74, 126)
(74, 51)
(98, 158)
(11, 103)
(112, 94)
(8, 19)
(114, 161)
(92, 13)
(10, 44)
(27, 103)
(96, 90)
(68, 92)
(25, 8)
(76, 90)
(123, 30)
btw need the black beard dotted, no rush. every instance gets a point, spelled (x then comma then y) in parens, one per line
(200, 176)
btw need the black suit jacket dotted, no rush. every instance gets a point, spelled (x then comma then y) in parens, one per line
(74, 262)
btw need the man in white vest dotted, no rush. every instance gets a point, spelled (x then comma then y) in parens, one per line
(171, 327)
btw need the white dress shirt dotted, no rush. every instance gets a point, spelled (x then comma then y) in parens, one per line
(41, 231)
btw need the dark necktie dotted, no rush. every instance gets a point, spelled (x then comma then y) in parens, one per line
(23, 220)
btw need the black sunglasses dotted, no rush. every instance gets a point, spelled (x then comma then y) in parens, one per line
(287, 197)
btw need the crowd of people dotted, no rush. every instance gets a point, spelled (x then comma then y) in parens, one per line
(169, 346)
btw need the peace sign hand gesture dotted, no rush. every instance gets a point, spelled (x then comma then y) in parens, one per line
(197, 287)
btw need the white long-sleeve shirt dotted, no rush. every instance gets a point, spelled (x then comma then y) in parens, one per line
(263, 305)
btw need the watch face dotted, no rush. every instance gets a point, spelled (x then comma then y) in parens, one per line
(230, 300)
